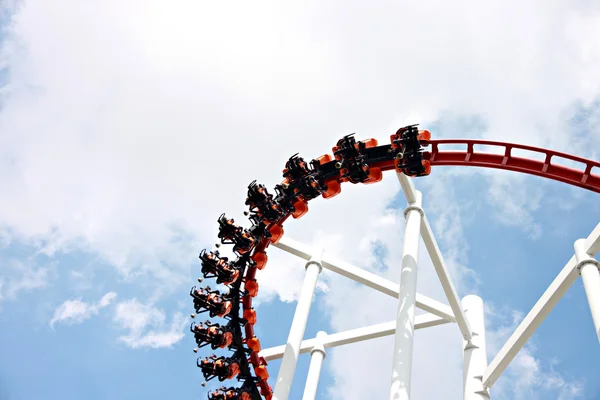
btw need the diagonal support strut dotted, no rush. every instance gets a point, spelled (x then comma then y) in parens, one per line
(539, 312)
(365, 277)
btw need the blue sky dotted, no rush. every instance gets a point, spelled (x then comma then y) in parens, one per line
(113, 177)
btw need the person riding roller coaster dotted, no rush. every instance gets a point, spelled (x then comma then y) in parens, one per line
(229, 233)
(301, 183)
(309, 185)
(231, 393)
(350, 160)
(221, 368)
(215, 335)
(215, 266)
(261, 203)
(211, 301)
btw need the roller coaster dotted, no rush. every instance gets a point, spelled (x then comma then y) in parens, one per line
(352, 161)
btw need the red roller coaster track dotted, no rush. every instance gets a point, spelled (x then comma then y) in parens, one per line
(588, 177)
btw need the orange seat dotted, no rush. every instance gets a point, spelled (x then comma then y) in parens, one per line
(324, 159)
(370, 143)
(262, 372)
(260, 259)
(276, 232)
(424, 136)
(252, 287)
(234, 370)
(375, 175)
(427, 165)
(333, 188)
(300, 208)
(254, 344)
(250, 316)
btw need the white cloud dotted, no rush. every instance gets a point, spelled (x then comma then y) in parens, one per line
(76, 311)
(144, 104)
(146, 325)
(21, 275)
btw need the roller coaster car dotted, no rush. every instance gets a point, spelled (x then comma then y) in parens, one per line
(305, 176)
(231, 393)
(221, 368)
(288, 198)
(408, 142)
(350, 158)
(259, 228)
(301, 183)
(229, 233)
(261, 203)
(295, 168)
(214, 334)
(213, 302)
(214, 266)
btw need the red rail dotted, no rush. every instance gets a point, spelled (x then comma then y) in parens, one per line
(588, 177)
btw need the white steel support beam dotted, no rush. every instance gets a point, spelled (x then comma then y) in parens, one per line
(538, 313)
(474, 351)
(408, 188)
(444, 276)
(285, 377)
(404, 335)
(590, 274)
(592, 243)
(317, 354)
(365, 277)
(385, 286)
(353, 336)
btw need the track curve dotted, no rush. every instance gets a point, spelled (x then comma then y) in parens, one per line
(355, 162)
(587, 178)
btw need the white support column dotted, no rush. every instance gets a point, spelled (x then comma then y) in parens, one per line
(474, 351)
(317, 354)
(590, 274)
(403, 343)
(285, 377)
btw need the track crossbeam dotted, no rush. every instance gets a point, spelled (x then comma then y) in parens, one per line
(354, 335)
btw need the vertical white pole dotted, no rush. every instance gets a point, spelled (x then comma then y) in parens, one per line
(285, 377)
(588, 268)
(474, 352)
(403, 342)
(317, 354)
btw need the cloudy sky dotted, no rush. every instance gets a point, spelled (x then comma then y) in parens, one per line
(127, 127)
